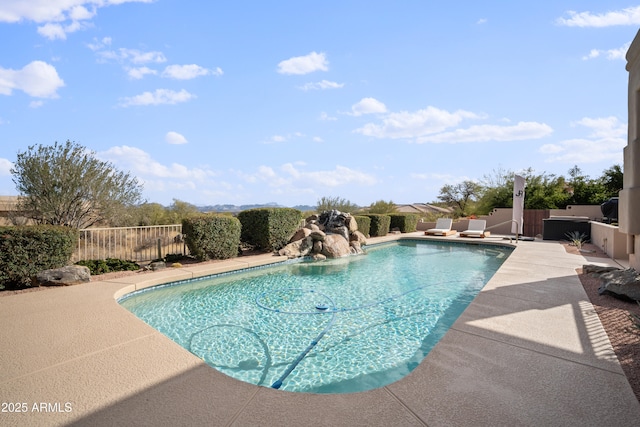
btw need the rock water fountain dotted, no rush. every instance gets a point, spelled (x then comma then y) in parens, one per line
(332, 234)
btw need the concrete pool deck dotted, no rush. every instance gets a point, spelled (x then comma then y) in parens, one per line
(529, 350)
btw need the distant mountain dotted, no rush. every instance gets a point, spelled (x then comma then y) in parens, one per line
(236, 208)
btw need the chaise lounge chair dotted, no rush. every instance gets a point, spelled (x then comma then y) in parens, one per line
(476, 229)
(442, 228)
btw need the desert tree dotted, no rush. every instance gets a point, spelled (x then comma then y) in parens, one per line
(611, 180)
(460, 196)
(337, 203)
(65, 184)
(179, 210)
(382, 207)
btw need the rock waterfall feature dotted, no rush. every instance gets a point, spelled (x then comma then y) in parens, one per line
(332, 234)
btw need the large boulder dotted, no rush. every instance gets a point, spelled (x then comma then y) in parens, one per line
(351, 223)
(357, 236)
(300, 234)
(318, 235)
(335, 246)
(624, 284)
(312, 226)
(597, 269)
(332, 234)
(298, 248)
(342, 231)
(65, 276)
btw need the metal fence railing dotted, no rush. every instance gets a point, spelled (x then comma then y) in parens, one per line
(130, 243)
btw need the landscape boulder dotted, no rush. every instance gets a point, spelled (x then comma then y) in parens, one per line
(332, 234)
(300, 234)
(298, 248)
(335, 246)
(64, 276)
(623, 284)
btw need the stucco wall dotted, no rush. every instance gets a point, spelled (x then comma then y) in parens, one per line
(630, 195)
(609, 239)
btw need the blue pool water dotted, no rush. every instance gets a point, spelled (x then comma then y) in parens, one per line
(336, 326)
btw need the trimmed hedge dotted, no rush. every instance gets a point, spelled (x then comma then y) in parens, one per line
(364, 224)
(212, 236)
(27, 250)
(269, 229)
(405, 222)
(380, 224)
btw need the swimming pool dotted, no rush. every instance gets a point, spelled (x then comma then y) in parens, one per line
(337, 326)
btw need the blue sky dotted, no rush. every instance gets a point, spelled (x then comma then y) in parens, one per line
(243, 102)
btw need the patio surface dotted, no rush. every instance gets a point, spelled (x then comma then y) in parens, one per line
(528, 351)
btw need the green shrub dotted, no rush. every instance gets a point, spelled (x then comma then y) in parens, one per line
(379, 224)
(269, 229)
(27, 250)
(173, 258)
(405, 222)
(211, 236)
(364, 224)
(109, 265)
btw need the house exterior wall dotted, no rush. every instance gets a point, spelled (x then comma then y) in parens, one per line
(629, 204)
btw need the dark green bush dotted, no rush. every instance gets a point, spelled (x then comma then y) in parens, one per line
(379, 224)
(212, 236)
(109, 265)
(269, 229)
(27, 250)
(174, 257)
(405, 222)
(364, 224)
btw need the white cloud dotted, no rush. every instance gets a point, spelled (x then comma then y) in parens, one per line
(325, 117)
(59, 17)
(550, 149)
(99, 44)
(52, 31)
(159, 97)
(133, 56)
(337, 177)
(137, 58)
(604, 142)
(5, 167)
(423, 122)
(186, 72)
(484, 133)
(139, 73)
(36, 104)
(481, 21)
(37, 79)
(367, 106)
(304, 64)
(141, 164)
(321, 85)
(283, 138)
(603, 127)
(611, 54)
(175, 138)
(431, 125)
(276, 138)
(292, 178)
(628, 16)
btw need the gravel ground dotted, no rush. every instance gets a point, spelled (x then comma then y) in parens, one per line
(615, 315)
